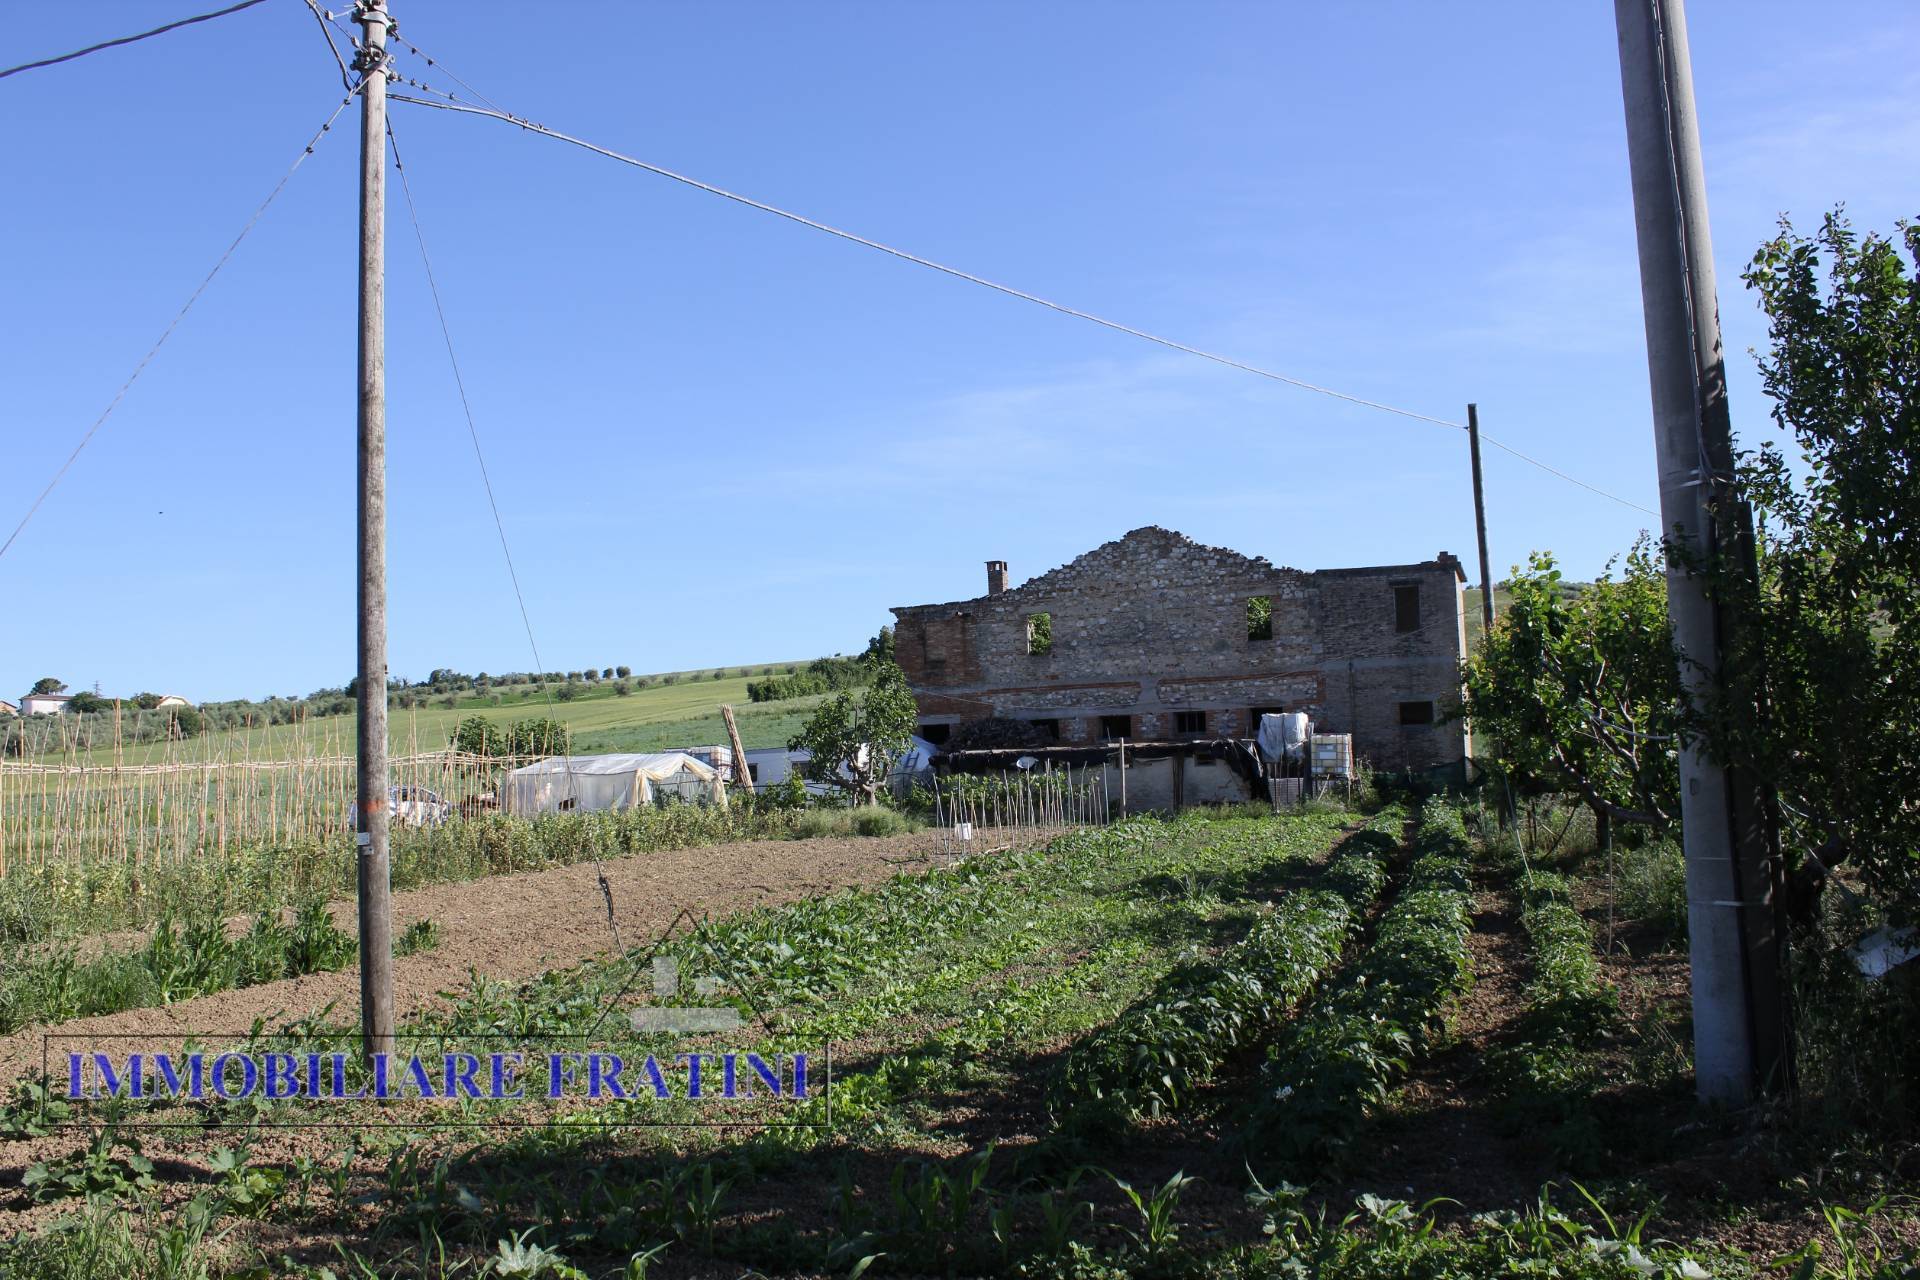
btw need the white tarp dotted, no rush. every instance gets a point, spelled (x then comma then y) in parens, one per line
(565, 783)
(1283, 736)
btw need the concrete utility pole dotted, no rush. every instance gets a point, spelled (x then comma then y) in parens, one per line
(1740, 1042)
(1480, 520)
(376, 918)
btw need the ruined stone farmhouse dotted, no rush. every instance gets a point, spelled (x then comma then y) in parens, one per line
(1156, 638)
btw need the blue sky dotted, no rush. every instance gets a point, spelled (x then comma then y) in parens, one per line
(719, 438)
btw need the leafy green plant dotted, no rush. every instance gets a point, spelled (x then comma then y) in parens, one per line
(522, 1259)
(95, 1170)
(247, 1189)
(317, 944)
(1387, 1239)
(697, 1195)
(35, 1111)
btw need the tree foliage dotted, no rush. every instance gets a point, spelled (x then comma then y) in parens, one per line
(480, 736)
(1838, 628)
(827, 675)
(1578, 694)
(857, 737)
(1578, 691)
(46, 684)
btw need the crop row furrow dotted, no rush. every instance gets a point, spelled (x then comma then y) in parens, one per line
(1153, 1058)
(1338, 1062)
(1548, 1072)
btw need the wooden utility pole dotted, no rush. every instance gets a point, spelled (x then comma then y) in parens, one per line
(741, 773)
(373, 809)
(1740, 1038)
(1480, 521)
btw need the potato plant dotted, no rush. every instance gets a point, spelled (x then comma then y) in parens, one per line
(1339, 1062)
(1153, 1058)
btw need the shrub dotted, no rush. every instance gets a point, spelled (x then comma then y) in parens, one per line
(1855, 1035)
(880, 822)
(815, 823)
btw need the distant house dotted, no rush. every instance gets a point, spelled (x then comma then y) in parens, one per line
(8, 709)
(171, 700)
(43, 704)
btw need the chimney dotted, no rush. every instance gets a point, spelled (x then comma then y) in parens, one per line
(996, 577)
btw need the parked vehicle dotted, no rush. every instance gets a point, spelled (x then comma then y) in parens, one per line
(411, 807)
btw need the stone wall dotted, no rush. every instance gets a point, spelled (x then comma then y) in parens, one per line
(1154, 627)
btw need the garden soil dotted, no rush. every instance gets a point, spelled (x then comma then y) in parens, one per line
(512, 927)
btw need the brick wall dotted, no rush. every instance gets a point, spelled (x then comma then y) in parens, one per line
(1155, 624)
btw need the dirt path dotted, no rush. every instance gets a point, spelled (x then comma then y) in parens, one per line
(512, 927)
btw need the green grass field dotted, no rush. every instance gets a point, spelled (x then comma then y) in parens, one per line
(658, 717)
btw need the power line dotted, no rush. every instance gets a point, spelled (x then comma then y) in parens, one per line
(475, 93)
(499, 525)
(175, 322)
(322, 17)
(1552, 470)
(110, 44)
(532, 127)
(917, 260)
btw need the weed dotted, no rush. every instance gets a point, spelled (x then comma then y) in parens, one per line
(880, 822)
(101, 1240)
(422, 935)
(1858, 1252)
(1159, 1232)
